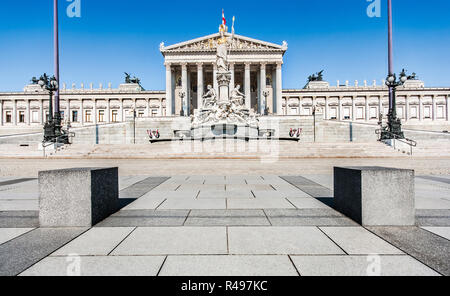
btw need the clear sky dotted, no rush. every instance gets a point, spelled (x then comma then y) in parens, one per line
(114, 36)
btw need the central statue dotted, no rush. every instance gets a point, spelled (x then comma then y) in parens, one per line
(218, 106)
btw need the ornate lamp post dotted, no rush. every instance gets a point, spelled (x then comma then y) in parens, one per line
(393, 130)
(53, 132)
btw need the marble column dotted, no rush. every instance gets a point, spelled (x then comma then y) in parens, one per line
(434, 111)
(108, 111)
(169, 90)
(420, 108)
(28, 115)
(42, 115)
(326, 108)
(407, 108)
(380, 106)
(367, 116)
(94, 112)
(262, 88)
(1, 113)
(147, 107)
(353, 108)
(279, 90)
(184, 88)
(215, 82)
(232, 82)
(81, 112)
(161, 111)
(248, 95)
(448, 107)
(339, 115)
(122, 118)
(15, 112)
(69, 119)
(200, 85)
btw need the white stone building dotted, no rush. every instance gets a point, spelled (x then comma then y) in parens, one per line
(256, 66)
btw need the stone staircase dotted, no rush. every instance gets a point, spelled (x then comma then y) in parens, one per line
(230, 149)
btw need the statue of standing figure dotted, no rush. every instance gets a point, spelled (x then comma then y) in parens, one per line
(222, 49)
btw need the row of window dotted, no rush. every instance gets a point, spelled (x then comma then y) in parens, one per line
(74, 116)
(333, 112)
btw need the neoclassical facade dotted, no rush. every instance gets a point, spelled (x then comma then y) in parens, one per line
(256, 67)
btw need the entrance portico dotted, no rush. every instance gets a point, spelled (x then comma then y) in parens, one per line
(256, 66)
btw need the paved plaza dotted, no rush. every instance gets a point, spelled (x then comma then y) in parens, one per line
(261, 225)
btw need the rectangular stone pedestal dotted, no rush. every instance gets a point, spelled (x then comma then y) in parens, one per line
(375, 196)
(79, 197)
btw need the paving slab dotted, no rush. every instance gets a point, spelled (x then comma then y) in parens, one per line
(280, 241)
(280, 194)
(227, 218)
(19, 205)
(140, 188)
(145, 218)
(361, 266)
(185, 194)
(436, 218)
(95, 242)
(259, 203)
(22, 252)
(431, 203)
(441, 231)
(174, 241)
(167, 186)
(97, 266)
(203, 204)
(307, 203)
(430, 249)
(7, 234)
(145, 203)
(308, 217)
(6, 195)
(19, 219)
(246, 187)
(359, 241)
(200, 187)
(310, 187)
(228, 266)
(213, 194)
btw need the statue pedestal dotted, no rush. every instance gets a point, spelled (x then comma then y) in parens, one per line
(223, 79)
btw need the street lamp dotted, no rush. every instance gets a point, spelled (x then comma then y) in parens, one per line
(393, 130)
(53, 132)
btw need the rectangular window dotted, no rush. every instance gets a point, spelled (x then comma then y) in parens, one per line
(400, 112)
(414, 112)
(141, 113)
(35, 116)
(347, 113)
(333, 113)
(74, 116)
(306, 111)
(88, 117)
(8, 117)
(373, 113)
(62, 115)
(294, 111)
(101, 115)
(21, 116)
(427, 112)
(440, 112)
(115, 117)
(360, 113)
(154, 112)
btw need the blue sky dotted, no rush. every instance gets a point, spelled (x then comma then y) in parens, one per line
(115, 36)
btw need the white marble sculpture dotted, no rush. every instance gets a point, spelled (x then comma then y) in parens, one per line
(221, 107)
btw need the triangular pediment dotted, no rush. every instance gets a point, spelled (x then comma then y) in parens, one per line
(210, 42)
